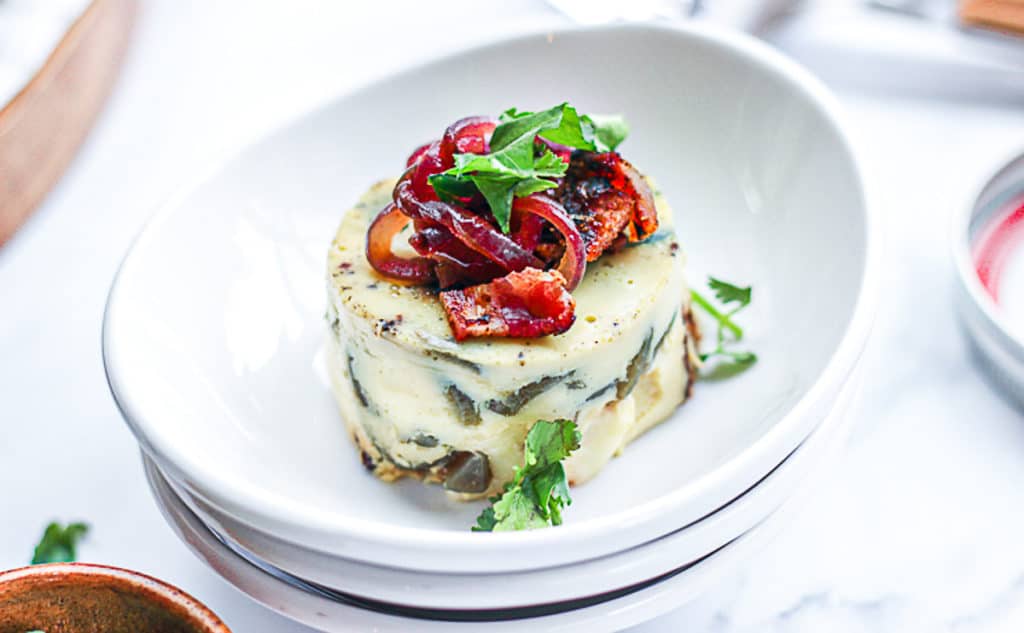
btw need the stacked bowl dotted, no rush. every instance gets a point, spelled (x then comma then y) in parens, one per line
(214, 332)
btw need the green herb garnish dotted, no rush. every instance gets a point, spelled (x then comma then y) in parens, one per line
(517, 166)
(539, 490)
(58, 543)
(739, 297)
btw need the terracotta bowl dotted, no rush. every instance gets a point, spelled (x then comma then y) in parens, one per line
(86, 598)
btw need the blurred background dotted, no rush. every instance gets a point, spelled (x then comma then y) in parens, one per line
(107, 107)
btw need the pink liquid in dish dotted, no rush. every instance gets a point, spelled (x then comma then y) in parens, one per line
(999, 261)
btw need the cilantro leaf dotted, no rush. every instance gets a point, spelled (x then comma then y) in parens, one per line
(726, 293)
(609, 129)
(595, 132)
(514, 138)
(514, 167)
(550, 491)
(58, 543)
(450, 187)
(497, 189)
(486, 521)
(550, 442)
(517, 510)
(539, 491)
(549, 165)
(571, 131)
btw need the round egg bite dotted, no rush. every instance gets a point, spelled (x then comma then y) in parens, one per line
(420, 404)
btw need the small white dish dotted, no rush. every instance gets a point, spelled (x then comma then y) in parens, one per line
(988, 234)
(557, 584)
(215, 318)
(317, 609)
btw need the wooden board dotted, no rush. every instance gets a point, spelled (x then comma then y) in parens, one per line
(44, 124)
(1001, 15)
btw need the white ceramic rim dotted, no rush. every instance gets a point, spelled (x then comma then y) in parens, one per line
(960, 244)
(613, 615)
(585, 578)
(255, 501)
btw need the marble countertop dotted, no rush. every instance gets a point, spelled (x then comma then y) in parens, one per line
(917, 528)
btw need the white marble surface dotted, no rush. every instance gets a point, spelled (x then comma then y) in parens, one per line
(917, 529)
(29, 31)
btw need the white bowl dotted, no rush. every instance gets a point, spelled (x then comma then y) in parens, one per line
(552, 585)
(215, 318)
(323, 610)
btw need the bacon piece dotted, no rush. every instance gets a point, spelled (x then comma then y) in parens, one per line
(607, 197)
(607, 215)
(527, 303)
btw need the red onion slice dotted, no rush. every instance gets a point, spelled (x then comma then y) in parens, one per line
(415, 156)
(527, 229)
(385, 226)
(574, 261)
(456, 263)
(470, 229)
(466, 136)
(428, 164)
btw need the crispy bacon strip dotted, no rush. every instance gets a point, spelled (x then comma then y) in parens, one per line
(527, 303)
(607, 197)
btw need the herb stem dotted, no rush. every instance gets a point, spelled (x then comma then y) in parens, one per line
(723, 319)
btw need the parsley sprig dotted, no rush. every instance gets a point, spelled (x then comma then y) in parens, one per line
(738, 298)
(539, 490)
(517, 166)
(58, 543)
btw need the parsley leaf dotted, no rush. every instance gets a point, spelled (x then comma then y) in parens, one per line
(609, 130)
(450, 187)
(517, 165)
(727, 294)
(539, 490)
(595, 133)
(514, 137)
(58, 543)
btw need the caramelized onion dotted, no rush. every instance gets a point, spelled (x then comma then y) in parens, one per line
(415, 156)
(382, 232)
(466, 136)
(472, 230)
(527, 229)
(429, 163)
(574, 260)
(456, 264)
(495, 284)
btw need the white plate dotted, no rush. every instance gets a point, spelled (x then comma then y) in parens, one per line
(215, 318)
(556, 584)
(313, 608)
